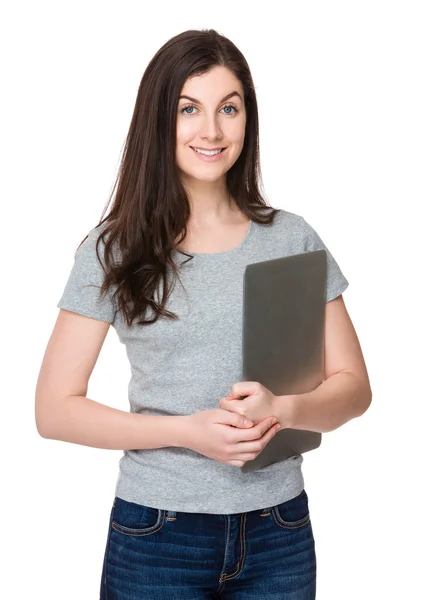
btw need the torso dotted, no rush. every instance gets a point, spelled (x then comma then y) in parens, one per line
(221, 239)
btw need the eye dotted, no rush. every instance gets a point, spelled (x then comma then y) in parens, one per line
(187, 107)
(230, 106)
(191, 106)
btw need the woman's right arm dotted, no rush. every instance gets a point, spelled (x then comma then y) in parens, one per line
(62, 410)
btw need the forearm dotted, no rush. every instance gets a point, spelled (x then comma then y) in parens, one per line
(336, 401)
(80, 420)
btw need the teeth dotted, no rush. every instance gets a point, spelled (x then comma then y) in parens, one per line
(208, 153)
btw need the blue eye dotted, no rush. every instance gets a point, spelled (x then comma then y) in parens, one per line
(230, 106)
(224, 107)
(185, 108)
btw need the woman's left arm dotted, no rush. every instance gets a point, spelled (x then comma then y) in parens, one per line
(346, 390)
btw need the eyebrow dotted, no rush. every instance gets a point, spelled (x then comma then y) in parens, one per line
(227, 97)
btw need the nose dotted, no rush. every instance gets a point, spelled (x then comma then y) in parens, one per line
(211, 128)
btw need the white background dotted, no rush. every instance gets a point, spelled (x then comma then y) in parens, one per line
(340, 93)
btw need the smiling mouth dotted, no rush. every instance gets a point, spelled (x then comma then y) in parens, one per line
(204, 154)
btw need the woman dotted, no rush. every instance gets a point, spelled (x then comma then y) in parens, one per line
(165, 268)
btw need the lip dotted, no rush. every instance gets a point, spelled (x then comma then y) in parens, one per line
(205, 158)
(208, 149)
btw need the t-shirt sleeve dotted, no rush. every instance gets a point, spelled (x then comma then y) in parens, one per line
(336, 281)
(82, 290)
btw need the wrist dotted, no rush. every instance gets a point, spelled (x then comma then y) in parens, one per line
(180, 429)
(285, 410)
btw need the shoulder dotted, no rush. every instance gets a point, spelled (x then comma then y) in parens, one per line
(89, 254)
(89, 244)
(96, 232)
(293, 227)
(298, 225)
(289, 220)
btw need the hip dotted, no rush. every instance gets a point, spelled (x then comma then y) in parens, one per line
(159, 553)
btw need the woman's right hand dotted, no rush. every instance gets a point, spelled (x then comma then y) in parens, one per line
(226, 436)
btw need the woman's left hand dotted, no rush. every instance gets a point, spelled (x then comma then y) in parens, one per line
(258, 403)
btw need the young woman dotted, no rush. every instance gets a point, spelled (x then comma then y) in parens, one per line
(165, 268)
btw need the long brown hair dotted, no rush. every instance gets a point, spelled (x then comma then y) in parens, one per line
(151, 208)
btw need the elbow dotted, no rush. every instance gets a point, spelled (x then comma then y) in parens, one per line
(44, 418)
(41, 426)
(366, 400)
(41, 431)
(362, 395)
(51, 416)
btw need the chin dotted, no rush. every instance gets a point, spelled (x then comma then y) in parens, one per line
(204, 177)
(204, 173)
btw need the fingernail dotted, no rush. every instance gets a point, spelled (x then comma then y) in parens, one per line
(278, 427)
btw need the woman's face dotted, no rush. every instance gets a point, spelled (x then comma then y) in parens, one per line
(212, 117)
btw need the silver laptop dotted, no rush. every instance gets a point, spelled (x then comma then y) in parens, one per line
(283, 339)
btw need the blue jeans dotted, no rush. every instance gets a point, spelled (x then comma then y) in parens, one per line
(155, 554)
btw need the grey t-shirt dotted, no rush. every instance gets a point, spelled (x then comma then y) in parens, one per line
(185, 366)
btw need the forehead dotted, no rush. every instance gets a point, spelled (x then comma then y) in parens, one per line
(214, 84)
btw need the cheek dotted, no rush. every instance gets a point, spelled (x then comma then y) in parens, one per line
(186, 131)
(235, 133)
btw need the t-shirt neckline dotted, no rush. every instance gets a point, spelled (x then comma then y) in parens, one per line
(225, 253)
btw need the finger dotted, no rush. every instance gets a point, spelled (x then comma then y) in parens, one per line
(271, 432)
(264, 425)
(245, 388)
(254, 433)
(255, 446)
(233, 405)
(236, 463)
(223, 403)
(226, 417)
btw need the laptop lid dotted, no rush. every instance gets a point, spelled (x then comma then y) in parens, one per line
(283, 338)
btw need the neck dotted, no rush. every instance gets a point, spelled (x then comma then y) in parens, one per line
(210, 202)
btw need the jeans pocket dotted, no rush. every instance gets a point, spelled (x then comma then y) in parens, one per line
(293, 513)
(134, 519)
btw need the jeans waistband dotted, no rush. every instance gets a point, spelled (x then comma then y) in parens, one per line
(265, 512)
